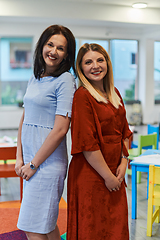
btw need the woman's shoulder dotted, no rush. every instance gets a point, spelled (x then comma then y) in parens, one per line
(32, 79)
(66, 76)
(119, 95)
(117, 91)
(65, 82)
(81, 91)
(82, 94)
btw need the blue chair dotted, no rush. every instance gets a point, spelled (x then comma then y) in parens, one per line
(154, 129)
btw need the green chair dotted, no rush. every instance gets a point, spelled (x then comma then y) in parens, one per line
(150, 129)
(143, 141)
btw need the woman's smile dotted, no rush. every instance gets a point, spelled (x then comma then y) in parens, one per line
(96, 73)
(94, 67)
(54, 52)
(52, 58)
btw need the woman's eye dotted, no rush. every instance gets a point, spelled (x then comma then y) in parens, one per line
(61, 49)
(88, 62)
(50, 44)
(100, 60)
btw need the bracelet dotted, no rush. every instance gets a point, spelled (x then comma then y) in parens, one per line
(126, 158)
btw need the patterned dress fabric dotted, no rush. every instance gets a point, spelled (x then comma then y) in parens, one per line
(93, 211)
(44, 99)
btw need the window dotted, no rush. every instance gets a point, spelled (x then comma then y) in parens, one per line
(124, 56)
(157, 71)
(124, 61)
(15, 68)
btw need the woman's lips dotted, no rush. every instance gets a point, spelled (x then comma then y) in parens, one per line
(96, 73)
(52, 58)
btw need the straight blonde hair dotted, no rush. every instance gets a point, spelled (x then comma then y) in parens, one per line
(108, 82)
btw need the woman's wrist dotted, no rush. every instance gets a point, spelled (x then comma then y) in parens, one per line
(19, 158)
(124, 161)
(108, 177)
(124, 157)
(33, 166)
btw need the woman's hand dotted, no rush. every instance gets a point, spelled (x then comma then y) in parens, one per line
(18, 166)
(121, 170)
(112, 183)
(96, 160)
(19, 155)
(27, 172)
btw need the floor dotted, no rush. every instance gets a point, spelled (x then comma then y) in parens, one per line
(10, 190)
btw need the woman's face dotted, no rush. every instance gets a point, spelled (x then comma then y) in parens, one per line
(54, 51)
(94, 66)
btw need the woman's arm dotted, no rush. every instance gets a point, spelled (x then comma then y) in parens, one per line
(54, 138)
(121, 170)
(19, 155)
(96, 160)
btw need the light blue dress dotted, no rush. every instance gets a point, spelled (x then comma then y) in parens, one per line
(44, 99)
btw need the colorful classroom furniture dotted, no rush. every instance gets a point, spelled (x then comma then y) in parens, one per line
(150, 129)
(143, 141)
(154, 198)
(143, 167)
(8, 169)
(154, 129)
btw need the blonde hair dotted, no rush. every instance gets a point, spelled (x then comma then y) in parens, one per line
(108, 82)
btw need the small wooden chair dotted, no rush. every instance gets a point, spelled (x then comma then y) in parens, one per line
(8, 169)
(154, 198)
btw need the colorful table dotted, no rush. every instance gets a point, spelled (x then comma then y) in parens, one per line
(142, 167)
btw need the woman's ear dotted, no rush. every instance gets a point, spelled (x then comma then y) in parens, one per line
(65, 57)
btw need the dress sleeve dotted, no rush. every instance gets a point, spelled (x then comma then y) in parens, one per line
(83, 127)
(126, 132)
(64, 92)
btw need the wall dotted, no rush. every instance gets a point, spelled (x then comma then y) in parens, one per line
(10, 117)
(97, 21)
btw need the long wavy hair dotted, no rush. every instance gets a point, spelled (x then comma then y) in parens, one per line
(108, 81)
(65, 65)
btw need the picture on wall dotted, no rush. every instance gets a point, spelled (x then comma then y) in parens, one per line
(20, 55)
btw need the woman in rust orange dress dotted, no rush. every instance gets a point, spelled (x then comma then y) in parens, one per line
(97, 203)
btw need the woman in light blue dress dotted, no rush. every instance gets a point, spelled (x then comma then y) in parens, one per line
(41, 148)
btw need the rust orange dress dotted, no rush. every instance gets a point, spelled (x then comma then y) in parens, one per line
(95, 213)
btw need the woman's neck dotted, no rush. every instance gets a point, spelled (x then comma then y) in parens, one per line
(98, 86)
(100, 89)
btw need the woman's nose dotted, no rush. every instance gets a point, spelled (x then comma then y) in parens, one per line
(54, 50)
(95, 64)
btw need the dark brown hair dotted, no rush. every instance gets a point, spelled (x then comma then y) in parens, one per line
(65, 65)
